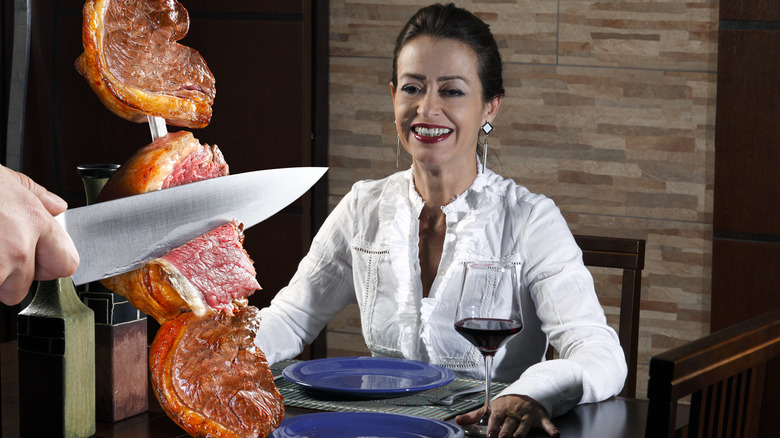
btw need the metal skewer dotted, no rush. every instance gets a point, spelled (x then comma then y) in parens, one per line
(157, 127)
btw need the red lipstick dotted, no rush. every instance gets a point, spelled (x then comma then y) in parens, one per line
(431, 134)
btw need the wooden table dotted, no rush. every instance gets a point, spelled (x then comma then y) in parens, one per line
(614, 418)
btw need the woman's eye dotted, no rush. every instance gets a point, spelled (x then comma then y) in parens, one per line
(410, 89)
(452, 92)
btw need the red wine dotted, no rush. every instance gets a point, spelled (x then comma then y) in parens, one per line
(488, 334)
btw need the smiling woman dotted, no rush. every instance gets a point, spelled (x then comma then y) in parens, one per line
(439, 110)
(446, 85)
(398, 245)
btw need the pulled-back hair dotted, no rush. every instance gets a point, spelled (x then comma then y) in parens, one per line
(452, 22)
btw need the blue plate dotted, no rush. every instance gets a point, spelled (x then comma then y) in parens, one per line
(368, 425)
(368, 376)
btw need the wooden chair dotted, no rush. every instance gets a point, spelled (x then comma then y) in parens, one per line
(628, 255)
(724, 374)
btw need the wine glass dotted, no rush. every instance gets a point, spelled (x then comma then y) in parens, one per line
(488, 315)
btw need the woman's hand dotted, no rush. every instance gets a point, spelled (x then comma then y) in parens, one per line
(512, 416)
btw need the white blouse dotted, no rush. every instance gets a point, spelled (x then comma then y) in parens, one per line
(367, 250)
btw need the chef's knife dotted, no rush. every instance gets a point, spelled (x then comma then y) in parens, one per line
(117, 236)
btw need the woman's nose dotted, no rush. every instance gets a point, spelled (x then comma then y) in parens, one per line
(430, 105)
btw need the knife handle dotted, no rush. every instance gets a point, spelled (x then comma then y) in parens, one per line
(56, 343)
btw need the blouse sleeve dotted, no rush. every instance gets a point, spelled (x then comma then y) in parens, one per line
(592, 366)
(321, 287)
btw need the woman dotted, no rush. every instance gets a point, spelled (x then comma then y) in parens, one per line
(398, 245)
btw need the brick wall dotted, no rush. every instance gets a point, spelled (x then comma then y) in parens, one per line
(609, 110)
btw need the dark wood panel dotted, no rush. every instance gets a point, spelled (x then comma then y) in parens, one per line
(52, 60)
(747, 156)
(754, 10)
(745, 279)
(771, 400)
(275, 247)
(261, 117)
(6, 49)
(246, 7)
(744, 273)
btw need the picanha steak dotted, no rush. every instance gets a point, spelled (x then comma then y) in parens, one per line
(207, 373)
(210, 377)
(171, 160)
(133, 63)
(210, 272)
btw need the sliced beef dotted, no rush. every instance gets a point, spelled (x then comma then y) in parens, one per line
(203, 163)
(171, 160)
(217, 266)
(211, 379)
(210, 272)
(133, 63)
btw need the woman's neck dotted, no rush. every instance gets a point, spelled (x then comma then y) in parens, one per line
(439, 188)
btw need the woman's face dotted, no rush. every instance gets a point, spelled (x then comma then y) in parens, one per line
(438, 103)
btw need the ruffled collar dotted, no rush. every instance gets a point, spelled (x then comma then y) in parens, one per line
(460, 203)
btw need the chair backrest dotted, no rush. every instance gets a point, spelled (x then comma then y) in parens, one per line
(724, 375)
(628, 255)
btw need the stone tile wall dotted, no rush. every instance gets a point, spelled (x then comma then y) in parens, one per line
(610, 111)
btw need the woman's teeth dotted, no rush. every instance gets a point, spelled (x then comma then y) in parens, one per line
(431, 132)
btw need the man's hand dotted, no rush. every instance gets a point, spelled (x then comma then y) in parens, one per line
(33, 246)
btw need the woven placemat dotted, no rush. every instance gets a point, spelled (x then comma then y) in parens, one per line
(418, 404)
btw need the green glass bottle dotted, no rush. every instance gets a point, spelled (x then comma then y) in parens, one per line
(94, 177)
(56, 342)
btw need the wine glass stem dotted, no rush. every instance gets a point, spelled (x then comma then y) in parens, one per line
(488, 372)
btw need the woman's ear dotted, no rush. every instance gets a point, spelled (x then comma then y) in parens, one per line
(492, 108)
(392, 91)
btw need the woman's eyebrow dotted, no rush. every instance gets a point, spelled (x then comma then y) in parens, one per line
(452, 78)
(417, 76)
(421, 77)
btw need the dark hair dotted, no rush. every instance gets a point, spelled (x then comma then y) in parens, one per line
(451, 22)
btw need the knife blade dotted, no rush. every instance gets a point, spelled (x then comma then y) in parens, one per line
(117, 236)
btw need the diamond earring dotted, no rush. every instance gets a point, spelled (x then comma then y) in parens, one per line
(486, 128)
(397, 150)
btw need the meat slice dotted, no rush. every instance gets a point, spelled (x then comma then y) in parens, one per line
(133, 63)
(217, 265)
(211, 379)
(211, 272)
(171, 160)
